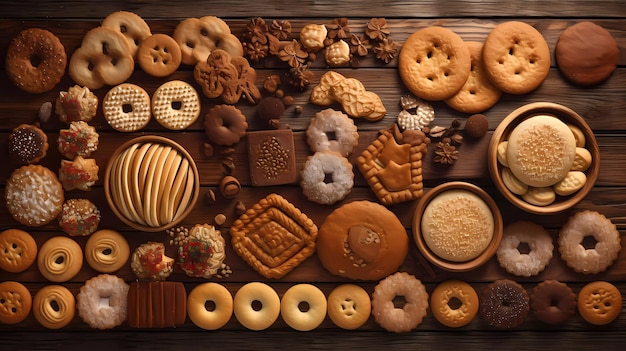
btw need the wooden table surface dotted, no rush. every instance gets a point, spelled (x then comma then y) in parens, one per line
(601, 106)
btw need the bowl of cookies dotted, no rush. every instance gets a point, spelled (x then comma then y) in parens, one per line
(457, 226)
(543, 158)
(151, 183)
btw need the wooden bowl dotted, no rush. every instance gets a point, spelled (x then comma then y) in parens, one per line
(568, 116)
(464, 266)
(154, 187)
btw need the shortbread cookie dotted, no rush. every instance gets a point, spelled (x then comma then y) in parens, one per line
(292, 234)
(79, 174)
(159, 55)
(478, 93)
(516, 57)
(131, 26)
(176, 105)
(34, 195)
(18, 250)
(126, 107)
(434, 63)
(15, 302)
(198, 37)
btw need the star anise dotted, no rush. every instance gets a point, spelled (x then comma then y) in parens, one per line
(359, 45)
(300, 77)
(256, 31)
(293, 54)
(445, 153)
(377, 29)
(280, 29)
(386, 50)
(338, 28)
(255, 51)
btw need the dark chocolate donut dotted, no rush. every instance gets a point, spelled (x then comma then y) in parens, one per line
(504, 304)
(553, 302)
(27, 144)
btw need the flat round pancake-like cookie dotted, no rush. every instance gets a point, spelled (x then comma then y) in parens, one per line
(541, 151)
(586, 53)
(478, 93)
(516, 57)
(434, 63)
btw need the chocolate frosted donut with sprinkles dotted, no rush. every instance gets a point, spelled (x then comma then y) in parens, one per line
(504, 304)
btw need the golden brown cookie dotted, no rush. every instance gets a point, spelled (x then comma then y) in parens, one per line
(159, 55)
(599, 302)
(478, 93)
(54, 306)
(15, 302)
(176, 105)
(79, 174)
(349, 306)
(198, 37)
(18, 250)
(107, 251)
(126, 107)
(60, 259)
(442, 303)
(516, 57)
(273, 236)
(131, 26)
(434, 63)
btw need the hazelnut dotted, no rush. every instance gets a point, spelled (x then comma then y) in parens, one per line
(45, 111)
(210, 196)
(208, 150)
(229, 187)
(476, 126)
(287, 100)
(279, 93)
(274, 123)
(240, 208)
(228, 166)
(298, 110)
(457, 139)
(220, 219)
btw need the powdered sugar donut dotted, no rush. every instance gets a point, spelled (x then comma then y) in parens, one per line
(538, 240)
(332, 130)
(403, 319)
(314, 174)
(102, 301)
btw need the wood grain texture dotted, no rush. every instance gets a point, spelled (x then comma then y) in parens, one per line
(601, 106)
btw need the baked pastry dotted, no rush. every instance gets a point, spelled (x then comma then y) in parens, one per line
(27, 144)
(362, 240)
(326, 177)
(332, 130)
(106, 251)
(34, 195)
(159, 55)
(156, 304)
(349, 306)
(79, 174)
(54, 306)
(79, 217)
(414, 310)
(272, 157)
(504, 304)
(273, 236)
(442, 302)
(89, 301)
(131, 26)
(218, 316)
(150, 262)
(599, 302)
(202, 253)
(225, 125)
(126, 107)
(553, 302)
(529, 263)
(80, 139)
(76, 104)
(15, 302)
(18, 250)
(176, 105)
(256, 318)
(60, 259)
(297, 318)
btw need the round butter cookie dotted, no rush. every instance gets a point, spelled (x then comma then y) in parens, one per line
(434, 63)
(176, 105)
(15, 302)
(131, 26)
(126, 107)
(18, 250)
(541, 151)
(516, 57)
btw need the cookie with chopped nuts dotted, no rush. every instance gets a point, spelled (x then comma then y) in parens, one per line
(272, 157)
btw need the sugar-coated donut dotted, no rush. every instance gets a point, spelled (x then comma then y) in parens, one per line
(538, 240)
(102, 302)
(30, 45)
(332, 130)
(553, 302)
(54, 306)
(315, 171)
(442, 303)
(15, 302)
(18, 250)
(251, 316)
(504, 304)
(599, 302)
(309, 316)
(593, 260)
(60, 259)
(349, 306)
(106, 251)
(217, 316)
(399, 320)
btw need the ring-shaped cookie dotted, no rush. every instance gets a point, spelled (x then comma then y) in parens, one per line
(131, 25)
(15, 302)
(159, 55)
(18, 250)
(332, 130)
(318, 168)
(349, 306)
(408, 317)
(303, 307)
(54, 306)
(225, 124)
(599, 302)
(126, 107)
(504, 304)
(176, 105)
(434, 63)
(202, 314)
(106, 251)
(257, 306)
(538, 240)
(103, 301)
(60, 259)
(444, 299)
(553, 302)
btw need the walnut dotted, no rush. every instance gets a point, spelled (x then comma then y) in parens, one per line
(377, 29)
(280, 29)
(338, 28)
(446, 154)
(359, 45)
(337, 54)
(386, 50)
(293, 54)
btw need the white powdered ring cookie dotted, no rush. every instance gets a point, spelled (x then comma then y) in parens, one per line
(126, 107)
(176, 105)
(573, 182)
(332, 130)
(541, 150)
(542, 196)
(314, 173)
(103, 301)
(512, 183)
(539, 242)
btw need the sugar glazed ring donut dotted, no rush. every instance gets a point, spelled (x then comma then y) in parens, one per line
(36, 60)
(525, 264)
(504, 304)
(434, 63)
(225, 124)
(126, 107)
(102, 302)
(106, 251)
(445, 299)
(303, 307)
(399, 320)
(332, 130)
(54, 306)
(18, 250)
(15, 302)
(131, 26)
(257, 306)
(159, 55)
(216, 295)
(599, 302)
(176, 105)
(318, 168)
(593, 260)
(553, 302)
(60, 259)
(349, 306)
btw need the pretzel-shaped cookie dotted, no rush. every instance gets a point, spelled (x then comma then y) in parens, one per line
(198, 37)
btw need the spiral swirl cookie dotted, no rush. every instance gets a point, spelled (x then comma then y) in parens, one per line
(34, 195)
(54, 306)
(106, 251)
(60, 259)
